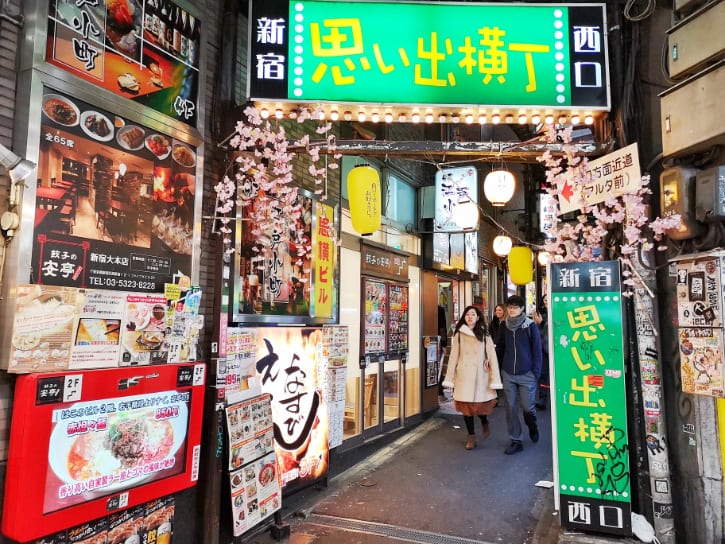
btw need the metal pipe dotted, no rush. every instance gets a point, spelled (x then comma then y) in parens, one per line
(10, 19)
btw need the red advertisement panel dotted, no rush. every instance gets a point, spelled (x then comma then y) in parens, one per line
(86, 444)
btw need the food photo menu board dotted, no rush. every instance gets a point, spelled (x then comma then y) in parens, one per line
(114, 201)
(143, 50)
(63, 328)
(385, 317)
(88, 444)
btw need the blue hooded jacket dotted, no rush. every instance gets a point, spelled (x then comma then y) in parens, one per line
(519, 351)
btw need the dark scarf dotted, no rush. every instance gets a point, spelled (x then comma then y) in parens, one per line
(513, 323)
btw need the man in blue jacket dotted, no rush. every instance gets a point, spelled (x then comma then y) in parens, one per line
(519, 355)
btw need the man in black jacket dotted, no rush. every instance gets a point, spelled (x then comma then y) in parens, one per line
(519, 355)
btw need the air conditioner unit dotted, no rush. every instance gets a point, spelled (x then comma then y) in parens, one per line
(677, 196)
(710, 194)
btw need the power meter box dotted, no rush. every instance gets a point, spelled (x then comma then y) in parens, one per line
(677, 196)
(710, 194)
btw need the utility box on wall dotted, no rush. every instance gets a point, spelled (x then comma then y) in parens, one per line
(697, 41)
(692, 114)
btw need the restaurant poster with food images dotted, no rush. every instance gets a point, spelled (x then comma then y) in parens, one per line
(256, 493)
(144, 50)
(591, 441)
(249, 423)
(150, 523)
(144, 332)
(97, 338)
(287, 263)
(90, 443)
(237, 367)
(290, 369)
(114, 201)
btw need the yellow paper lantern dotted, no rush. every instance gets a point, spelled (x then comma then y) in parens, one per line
(363, 192)
(521, 265)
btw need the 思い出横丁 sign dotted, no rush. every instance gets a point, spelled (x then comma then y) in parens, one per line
(591, 442)
(541, 56)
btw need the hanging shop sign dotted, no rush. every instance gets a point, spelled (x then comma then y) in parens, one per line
(453, 186)
(539, 57)
(592, 446)
(91, 443)
(114, 201)
(614, 174)
(143, 50)
(287, 273)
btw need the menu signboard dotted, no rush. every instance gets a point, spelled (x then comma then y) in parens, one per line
(143, 50)
(114, 201)
(87, 444)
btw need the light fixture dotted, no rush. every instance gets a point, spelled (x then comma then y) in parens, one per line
(466, 213)
(429, 118)
(498, 187)
(279, 114)
(469, 119)
(401, 118)
(18, 169)
(502, 245)
(415, 118)
(375, 117)
(549, 120)
(122, 169)
(544, 258)
(535, 119)
(482, 119)
(522, 119)
(442, 118)
(361, 116)
(455, 118)
(334, 115)
(264, 114)
(509, 119)
(589, 120)
(496, 119)
(388, 117)
(575, 119)
(347, 116)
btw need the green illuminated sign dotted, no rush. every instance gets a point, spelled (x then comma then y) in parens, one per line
(423, 53)
(589, 383)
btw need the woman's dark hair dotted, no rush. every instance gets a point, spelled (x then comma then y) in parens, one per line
(479, 329)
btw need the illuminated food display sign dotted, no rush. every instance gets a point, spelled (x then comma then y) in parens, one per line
(114, 201)
(87, 444)
(549, 55)
(292, 371)
(592, 444)
(286, 261)
(146, 51)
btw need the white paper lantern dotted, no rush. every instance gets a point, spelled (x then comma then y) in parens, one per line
(499, 187)
(502, 245)
(466, 214)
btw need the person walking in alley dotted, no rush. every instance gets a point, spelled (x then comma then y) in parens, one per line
(541, 318)
(499, 316)
(473, 372)
(519, 351)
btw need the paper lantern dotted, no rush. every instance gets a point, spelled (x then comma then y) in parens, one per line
(363, 192)
(521, 265)
(499, 187)
(502, 245)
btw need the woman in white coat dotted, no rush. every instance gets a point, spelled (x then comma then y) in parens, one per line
(473, 372)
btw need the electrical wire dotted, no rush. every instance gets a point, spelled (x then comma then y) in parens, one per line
(648, 9)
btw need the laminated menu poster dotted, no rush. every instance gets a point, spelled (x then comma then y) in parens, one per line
(143, 337)
(251, 432)
(241, 348)
(256, 493)
(96, 341)
(43, 324)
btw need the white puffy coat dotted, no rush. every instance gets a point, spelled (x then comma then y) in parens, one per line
(466, 373)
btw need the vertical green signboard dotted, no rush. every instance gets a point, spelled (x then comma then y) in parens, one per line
(592, 447)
